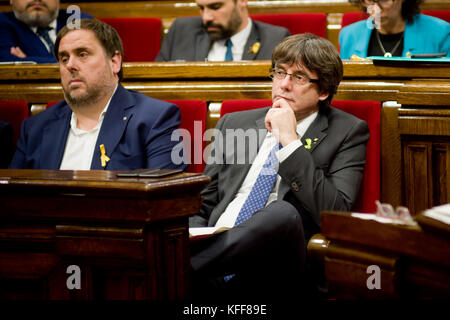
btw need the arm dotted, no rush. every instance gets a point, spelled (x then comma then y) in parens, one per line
(159, 145)
(334, 184)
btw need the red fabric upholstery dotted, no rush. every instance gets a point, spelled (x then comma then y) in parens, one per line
(369, 111)
(51, 103)
(141, 37)
(193, 110)
(352, 17)
(14, 112)
(315, 23)
(441, 14)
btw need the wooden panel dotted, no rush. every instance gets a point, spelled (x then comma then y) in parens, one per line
(417, 169)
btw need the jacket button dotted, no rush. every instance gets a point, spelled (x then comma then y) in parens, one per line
(294, 186)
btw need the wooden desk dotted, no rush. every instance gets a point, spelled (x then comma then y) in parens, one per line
(128, 236)
(417, 129)
(414, 263)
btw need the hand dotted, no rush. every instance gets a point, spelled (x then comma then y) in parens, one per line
(16, 51)
(280, 120)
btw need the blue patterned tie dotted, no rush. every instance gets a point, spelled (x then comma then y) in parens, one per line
(260, 192)
(229, 54)
(43, 32)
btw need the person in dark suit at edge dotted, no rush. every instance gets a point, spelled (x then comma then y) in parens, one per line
(29, 31)
(100, 124)
(224, 32)
(316, 158)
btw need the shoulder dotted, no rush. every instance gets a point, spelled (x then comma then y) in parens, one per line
(187, 22)
(342, 122)
(242, 119)
(429, 22)
(271, 29)
(8, 18)
(354, 28)
(55, 112)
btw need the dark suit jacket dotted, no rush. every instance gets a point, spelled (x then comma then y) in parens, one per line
(188, 40)
(136, 133)
(15, 33)
(325, 177)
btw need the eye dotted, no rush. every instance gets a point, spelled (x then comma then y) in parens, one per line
(280, 73)
(299, 77)
(83, 54)
(64, 59)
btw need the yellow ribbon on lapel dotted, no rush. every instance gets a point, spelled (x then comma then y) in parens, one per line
(308, 143)
(103, 158)
(255, 48)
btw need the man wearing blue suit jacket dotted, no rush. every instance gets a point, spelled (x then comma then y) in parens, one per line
(100, 125)
(19, 38)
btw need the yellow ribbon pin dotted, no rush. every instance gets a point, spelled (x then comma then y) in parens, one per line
(308, 143)
(255, 48)
(103, 158)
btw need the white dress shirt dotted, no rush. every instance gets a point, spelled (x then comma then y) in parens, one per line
(228, 217)
(80, 145)
(219, 48)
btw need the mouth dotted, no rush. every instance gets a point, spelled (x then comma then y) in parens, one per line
(278, 97)
(75, 83)
(37, 5)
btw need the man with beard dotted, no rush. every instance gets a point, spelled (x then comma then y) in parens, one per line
(29, 31)
(223, 32)
(100, 125)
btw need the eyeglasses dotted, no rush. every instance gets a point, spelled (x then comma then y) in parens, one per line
(299, 78)
(372, 2)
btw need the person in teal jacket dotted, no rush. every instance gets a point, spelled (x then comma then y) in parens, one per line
(394, 28)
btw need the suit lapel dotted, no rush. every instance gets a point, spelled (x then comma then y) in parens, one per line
(113, 126)
(202, 45)
(54, 138)
(251, 47)
(315, 133)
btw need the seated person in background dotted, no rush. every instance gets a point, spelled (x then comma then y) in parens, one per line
(29, 31)
(395, 28)
(224, 32)
(6, 143)
(273, 207)
(100, 125)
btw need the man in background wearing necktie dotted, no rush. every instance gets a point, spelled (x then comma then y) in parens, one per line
(223, 32)
(310, 158)
(29, 31)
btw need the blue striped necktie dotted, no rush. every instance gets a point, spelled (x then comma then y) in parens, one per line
(43, 32)
(260, 192)
(229, 54)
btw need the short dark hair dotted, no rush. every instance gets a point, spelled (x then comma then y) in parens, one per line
(409, 8)
(316, 54)
(106, 35)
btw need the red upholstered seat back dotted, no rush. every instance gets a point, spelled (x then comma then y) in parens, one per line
(141, 37)
(352, 17)
(441, 14)
(14, 112)
(369, 111)
(315, 23)
(193, 119)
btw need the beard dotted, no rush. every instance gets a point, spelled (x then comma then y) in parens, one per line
(227, 31)
(92, 95)
(38, 19)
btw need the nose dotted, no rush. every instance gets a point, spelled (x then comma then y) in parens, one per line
(207, 15)
(71, 63)
(287, 82)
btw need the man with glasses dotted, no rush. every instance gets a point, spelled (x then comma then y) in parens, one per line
(310, 158)
(394, 28)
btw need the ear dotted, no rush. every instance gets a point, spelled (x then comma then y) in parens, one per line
(323, 96)
(116, 61)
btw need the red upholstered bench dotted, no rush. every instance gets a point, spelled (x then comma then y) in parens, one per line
(369, 111)
(14, 112)
(193, 119)
(141, 37)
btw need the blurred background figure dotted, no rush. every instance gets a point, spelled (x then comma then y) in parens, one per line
(224, 32)
(28, 32)
(394, 28)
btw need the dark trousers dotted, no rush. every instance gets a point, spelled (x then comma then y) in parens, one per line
(266, 254)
